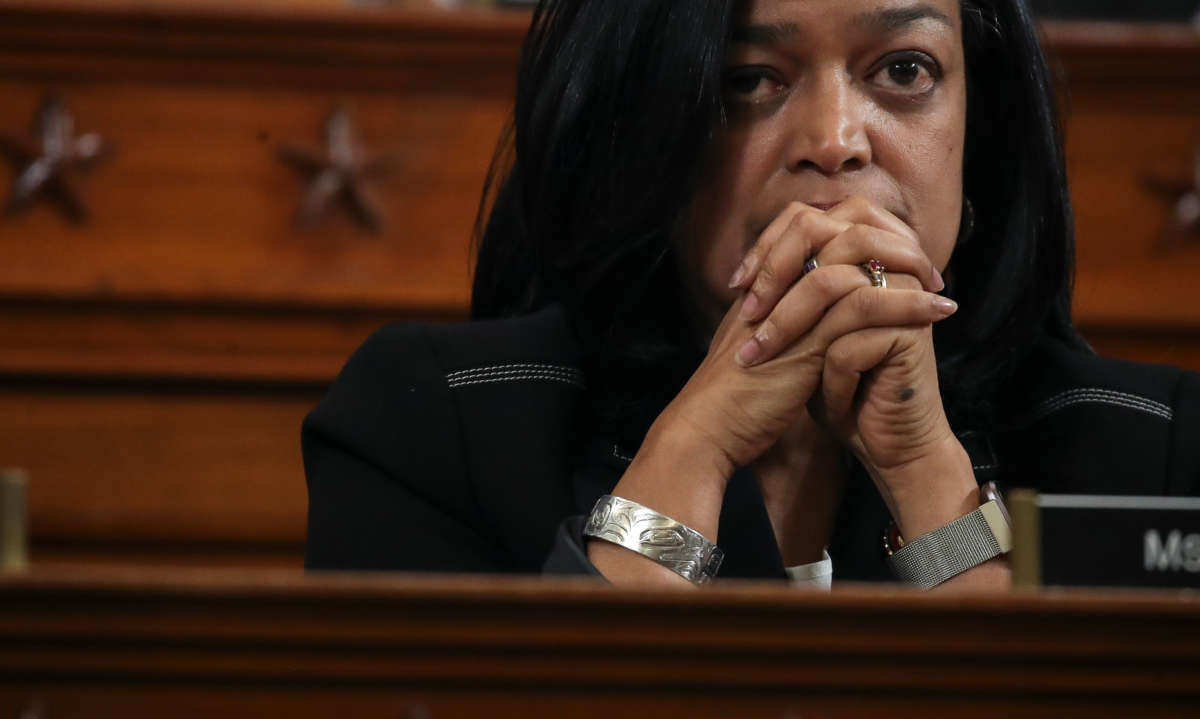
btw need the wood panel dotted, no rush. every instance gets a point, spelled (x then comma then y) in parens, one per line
(1133, 277)
(229, 699)
(1179, 348)
(1131, 98)
(102, 340)
(194, 207)
(192, 265)
(135, 468)
(190, 643)
(156, 362)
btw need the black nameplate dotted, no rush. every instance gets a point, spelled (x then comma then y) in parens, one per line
(1080, 540)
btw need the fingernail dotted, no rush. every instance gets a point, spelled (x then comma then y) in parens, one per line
(749, 306)
(945, 306)
(748, 355)
(938, 283)
(739, 274)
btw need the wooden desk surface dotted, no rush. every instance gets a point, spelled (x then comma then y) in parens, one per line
(96, 642)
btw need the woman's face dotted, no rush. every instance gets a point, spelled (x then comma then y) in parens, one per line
(827, 99)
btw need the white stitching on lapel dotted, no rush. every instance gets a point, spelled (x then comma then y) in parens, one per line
(616, 451)
(522, 372)
(1095, 395)
(490, 369)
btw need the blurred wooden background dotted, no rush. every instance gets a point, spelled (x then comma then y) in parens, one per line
(156, 358)
(120, 642)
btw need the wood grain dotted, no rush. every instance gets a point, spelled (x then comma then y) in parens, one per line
(193, 207)
(158, 463)
(102, 641)
(224, 343)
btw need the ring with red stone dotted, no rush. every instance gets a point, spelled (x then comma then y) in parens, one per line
(875, 270)
(810, 265)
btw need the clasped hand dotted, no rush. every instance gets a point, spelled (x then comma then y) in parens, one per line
(859, 358)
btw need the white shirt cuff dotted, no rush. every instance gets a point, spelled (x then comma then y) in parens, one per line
(818, 575)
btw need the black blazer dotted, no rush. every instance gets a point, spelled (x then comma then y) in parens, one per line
(462, 447)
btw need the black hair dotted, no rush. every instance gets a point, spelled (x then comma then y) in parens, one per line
(615, 103)
(1013, 277)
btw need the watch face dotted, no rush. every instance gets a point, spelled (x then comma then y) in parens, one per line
(989, 493)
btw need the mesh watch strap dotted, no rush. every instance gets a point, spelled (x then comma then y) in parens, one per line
(932, 558)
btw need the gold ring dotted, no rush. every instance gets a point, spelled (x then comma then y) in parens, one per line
(875, 270)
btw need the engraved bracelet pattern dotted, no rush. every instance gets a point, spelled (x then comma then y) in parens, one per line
(676, 546)
(932, 558)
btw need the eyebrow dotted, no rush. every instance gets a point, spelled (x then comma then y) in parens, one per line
(884, 20)
(768, 34)
(893, 19)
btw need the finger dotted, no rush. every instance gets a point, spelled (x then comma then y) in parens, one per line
(846, 359)
(858, 210)
(896, 280)
(731, 332)
(807, 306)
(854, 246)
(748, 269)
(861, 211)
(799, 310)
(898, 253)
(878, 307)
(782, 264)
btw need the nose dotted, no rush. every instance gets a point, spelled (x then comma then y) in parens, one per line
(829, 128)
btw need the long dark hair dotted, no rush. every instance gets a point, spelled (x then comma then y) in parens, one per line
(615, 102)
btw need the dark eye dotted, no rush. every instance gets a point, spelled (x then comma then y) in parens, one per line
(751, 84)
(910, 74)
(904, 72)
(743, 83)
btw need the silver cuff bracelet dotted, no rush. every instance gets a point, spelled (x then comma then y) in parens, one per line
(676, 546)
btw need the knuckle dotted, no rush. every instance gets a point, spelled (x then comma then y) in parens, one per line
(823, 283)
(861, 239)
(867, 301)
(767, 274)
(924, 264)
(805, 222)
(913, 256)
(927, 268)
(912, 251)
(839, 354)
(796, 224)
(859, 203)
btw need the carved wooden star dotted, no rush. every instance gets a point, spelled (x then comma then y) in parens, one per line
(45, 171)
(1185, 193)
(339, 172)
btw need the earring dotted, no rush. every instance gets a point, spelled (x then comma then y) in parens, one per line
(966, 225)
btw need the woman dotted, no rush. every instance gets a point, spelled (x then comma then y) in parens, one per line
(710, 283)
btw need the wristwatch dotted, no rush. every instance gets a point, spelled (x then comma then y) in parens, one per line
(968, 541)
